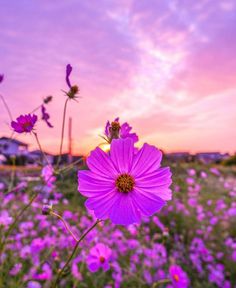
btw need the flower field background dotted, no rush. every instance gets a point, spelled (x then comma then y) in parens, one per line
(195, 231)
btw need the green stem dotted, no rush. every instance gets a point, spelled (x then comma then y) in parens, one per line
(54, 285)
(65, 224)
(7, 107)
(12, 226)
(62, 132)
(163, 281)
(40, 148)
(70, 165)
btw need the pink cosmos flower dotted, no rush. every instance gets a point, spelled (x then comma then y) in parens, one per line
(24, 123)
(1, 78)
(116, 130)
(99, 257)
(125, 185)
(178, 276)
(45, 116)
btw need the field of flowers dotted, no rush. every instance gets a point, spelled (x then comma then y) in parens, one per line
(190, 243)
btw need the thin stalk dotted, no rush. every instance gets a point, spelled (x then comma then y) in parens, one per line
(13, 225)
(54, 285)
(70, 165)
(40, 148)
(163, 281)
(65, 224)
(62, 131)
(7, 107)
(35, 109)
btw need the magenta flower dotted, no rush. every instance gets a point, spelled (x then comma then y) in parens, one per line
(124, 185)
(24, 123)
(45, 116)
(114, 130)
(178, 276)
(1, 78)
(99, 257)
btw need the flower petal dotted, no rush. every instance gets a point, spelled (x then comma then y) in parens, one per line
(124, 212)
(122, 151)
(156, 182)
(102, 204)
(91, 185)
(147, 160)
(147, 203)
(93, 266)
(100, 163)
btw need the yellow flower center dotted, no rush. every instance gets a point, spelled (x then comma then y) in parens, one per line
(125, 183)
(115, 126)
(26, 125)
(176, 278)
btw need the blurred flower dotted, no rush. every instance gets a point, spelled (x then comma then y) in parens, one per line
(216, 274)
(5, 218)
(114, 130)
(74, 90)
(215, 171)
(1, 78)
(45, 116)
(47, 175)
(125, 185)
(33, 284)
(99, 257)
(16, 269)
(203, 175)
(191, 172)
(24, 123)
(178, 276)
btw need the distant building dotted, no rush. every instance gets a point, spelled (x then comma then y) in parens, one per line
(37, 157)
(211, 157)
(12, 147)
(179, 157)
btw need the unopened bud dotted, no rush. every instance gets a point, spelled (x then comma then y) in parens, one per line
(114, 130)
(74, 90)
(47, 209)
(47, 99)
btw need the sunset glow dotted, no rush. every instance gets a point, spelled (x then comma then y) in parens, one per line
(166, 67)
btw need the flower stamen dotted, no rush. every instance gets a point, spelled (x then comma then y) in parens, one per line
(176, 278)
(125, 183)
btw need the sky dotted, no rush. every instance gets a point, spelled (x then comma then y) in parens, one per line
(166, 67)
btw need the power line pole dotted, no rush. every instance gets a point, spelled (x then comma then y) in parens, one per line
(70, 141)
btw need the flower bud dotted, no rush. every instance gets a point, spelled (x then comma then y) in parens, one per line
(47, 209)
(47, 99)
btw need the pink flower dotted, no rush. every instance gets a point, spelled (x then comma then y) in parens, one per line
(99, 257)
(115, 130)
(24, 123)
(203, 175)
(178, 276)
(124, 185)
